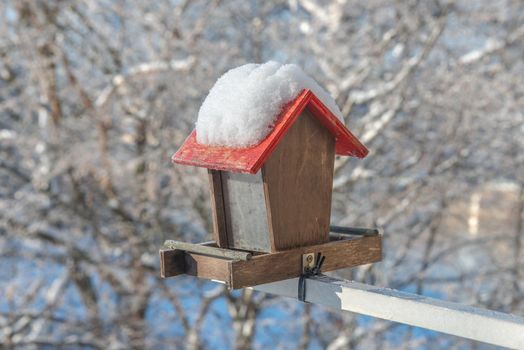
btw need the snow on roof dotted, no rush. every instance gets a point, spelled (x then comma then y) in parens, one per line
(243, 105)
(250, 159)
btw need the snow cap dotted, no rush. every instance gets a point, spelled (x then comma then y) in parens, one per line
(242, 107)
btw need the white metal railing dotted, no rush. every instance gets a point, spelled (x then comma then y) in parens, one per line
(464, 321)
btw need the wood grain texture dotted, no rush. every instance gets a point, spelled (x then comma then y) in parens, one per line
(298, 180)
(172, 263)
(245, 212)
(208, 267)
(217, 208)
(250, 159)
(272, 267)
(208, 250)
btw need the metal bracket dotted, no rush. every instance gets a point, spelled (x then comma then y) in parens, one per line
(308, 262)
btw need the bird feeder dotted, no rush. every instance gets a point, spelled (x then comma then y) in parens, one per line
(271, 203)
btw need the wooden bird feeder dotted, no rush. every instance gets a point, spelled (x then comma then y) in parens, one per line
(271, 203)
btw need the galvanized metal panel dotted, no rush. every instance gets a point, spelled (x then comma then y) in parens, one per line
(246, 215)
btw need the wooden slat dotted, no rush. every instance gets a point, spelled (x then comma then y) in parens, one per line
(217, 208)
(298, 179)
(208, 250)
(172, 263)
(272, 267)
(208, 267)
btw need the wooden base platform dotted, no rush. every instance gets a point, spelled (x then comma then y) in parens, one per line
(340, 252)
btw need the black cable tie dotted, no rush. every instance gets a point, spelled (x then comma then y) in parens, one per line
(314, 271)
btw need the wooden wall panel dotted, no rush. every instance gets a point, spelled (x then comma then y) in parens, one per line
(217, 208)
(298, 179)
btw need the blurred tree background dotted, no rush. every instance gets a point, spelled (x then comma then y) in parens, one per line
(96, 95)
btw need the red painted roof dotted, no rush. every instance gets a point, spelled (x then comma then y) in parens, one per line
(251, 159)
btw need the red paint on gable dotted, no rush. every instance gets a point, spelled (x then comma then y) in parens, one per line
(251, 159)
